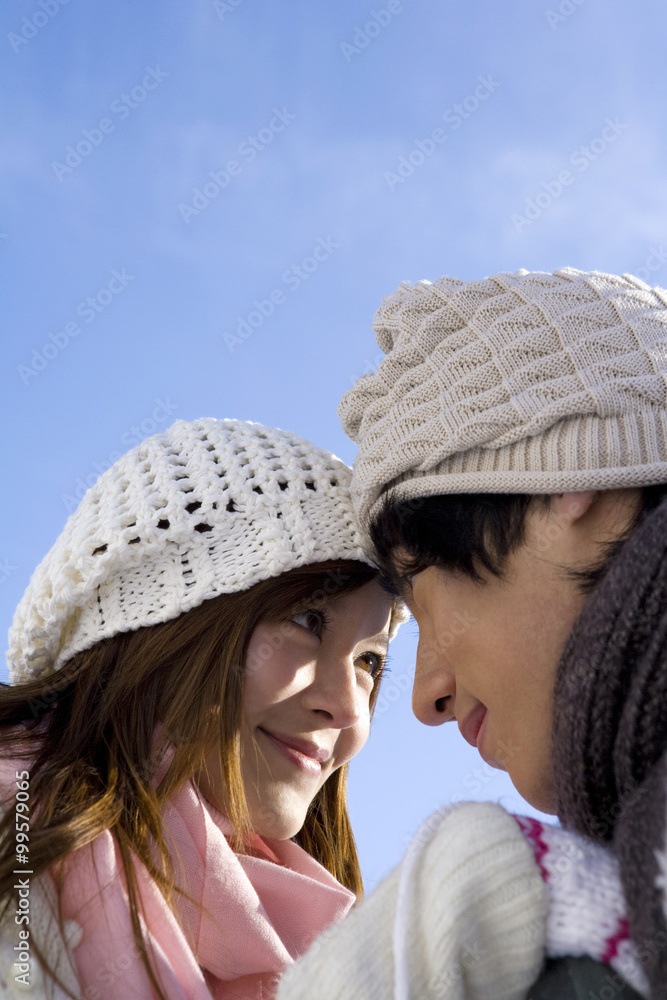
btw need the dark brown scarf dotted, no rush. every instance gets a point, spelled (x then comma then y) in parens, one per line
(610, 730)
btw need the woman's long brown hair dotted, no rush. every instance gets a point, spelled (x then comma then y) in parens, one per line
(89, 733)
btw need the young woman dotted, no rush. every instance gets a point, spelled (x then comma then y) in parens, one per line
(192, 666)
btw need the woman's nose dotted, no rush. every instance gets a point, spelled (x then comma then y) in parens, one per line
(434, 687)
(335, 693)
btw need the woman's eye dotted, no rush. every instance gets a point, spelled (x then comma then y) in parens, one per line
(311, 620)
(372, 663)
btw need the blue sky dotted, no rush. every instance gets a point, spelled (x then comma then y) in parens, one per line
(400, 140)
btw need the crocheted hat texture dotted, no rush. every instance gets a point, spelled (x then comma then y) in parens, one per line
(205, 508)
(519, 383)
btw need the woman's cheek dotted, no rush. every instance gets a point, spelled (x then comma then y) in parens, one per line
(351, 741)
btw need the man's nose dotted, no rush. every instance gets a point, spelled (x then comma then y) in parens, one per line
(434, 688)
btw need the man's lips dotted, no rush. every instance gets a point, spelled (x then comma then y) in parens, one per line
(471, 725)
(303, 753)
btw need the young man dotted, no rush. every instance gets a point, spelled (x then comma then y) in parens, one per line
(512, 447)
(513, 461)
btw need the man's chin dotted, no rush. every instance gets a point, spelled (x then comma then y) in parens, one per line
(541, 797)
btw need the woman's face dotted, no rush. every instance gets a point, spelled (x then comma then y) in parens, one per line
(306, 705)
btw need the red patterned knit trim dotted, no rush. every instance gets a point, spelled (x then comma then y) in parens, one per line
(611, 951)
(532, 828)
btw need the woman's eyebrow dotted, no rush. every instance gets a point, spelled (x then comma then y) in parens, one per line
(380, 638)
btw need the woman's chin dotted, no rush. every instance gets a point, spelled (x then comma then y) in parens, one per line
(276, 823)
(279, 830)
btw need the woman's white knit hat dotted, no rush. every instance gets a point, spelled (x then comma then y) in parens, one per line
(206, 508)
(519, 383)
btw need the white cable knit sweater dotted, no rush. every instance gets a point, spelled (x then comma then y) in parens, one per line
(480, 899)
(463, 918)
(44, 930)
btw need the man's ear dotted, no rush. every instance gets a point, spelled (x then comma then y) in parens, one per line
(572, 505)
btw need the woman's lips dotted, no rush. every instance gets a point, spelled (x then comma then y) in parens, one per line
(307, 756)
(471, 725)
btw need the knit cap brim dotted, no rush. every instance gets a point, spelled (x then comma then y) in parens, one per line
(521, 383)
(208, 507)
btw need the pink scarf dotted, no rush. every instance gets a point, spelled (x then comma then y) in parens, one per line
(257, 913)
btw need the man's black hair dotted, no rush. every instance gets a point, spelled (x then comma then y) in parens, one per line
(472, 532)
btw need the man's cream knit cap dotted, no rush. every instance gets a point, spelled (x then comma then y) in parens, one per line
(520, 383)
(206, 508)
